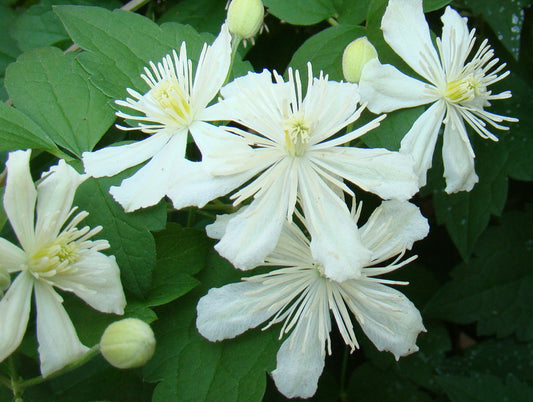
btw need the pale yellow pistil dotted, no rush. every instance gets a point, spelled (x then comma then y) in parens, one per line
(465, 89)
(170, 97)
(54, 257)
(296, 137)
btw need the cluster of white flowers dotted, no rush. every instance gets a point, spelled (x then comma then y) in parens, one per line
(289, 164)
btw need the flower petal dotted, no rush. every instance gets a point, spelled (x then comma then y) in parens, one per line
(19, 198)
(55, 194)
(11, 257)
(392, 228)
(335, 240)
(14, 314)
(406, 31)
(150, 183)
(111, 160)
(378, 170)
(420, 141)
(232, 309)
(292, 248)
(389, 319)
(456, 41)
(457, 155)
(58, 343)
(385, 88)
(96, 280)
(299, 365)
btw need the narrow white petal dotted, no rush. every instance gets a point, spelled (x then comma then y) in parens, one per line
(377, 170)
(335, 239)
(58, 342)
(19, 198)
(388, 318)
(11, 257)
(456, 41)
(150, 183)
(420, 141)
(14, 314)
(96, 280)
(112, 160)
(292, 248)
(392, 228)
(385, 88)
(405, 29)
(457, 155)
(232, 309)
(299, 366)
(55, 194)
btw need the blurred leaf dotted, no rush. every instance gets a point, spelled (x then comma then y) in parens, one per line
(493, 289)
(230, 370)
(301, 12)
(483, 387)
(8, 48)
(55, 92)
(18, 131)
(128, 233)
(432, 5)
(505, 18)
(202, 15)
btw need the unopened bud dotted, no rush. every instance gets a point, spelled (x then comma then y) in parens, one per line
(5, 280)
(245, 17)
(355, 56)
(127, 343)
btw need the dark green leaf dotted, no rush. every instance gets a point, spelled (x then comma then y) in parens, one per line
(8, 48)
(203, 15)
(300, 12)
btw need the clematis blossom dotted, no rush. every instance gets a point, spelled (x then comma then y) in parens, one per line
(176, 104)
(300, 296)
(54, 253)
(290, 154)
(455, 83)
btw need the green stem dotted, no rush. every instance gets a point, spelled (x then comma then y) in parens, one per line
(332, 21)
(191, 217)
(14, 383)
(69, 367)
(5, 381)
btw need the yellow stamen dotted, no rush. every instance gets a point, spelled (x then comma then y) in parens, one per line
(171, 98)
(296, 137)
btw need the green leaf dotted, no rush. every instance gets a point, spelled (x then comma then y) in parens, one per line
(119, 44)
(482, 387)
(493, 289)
(8, 48)
(505, 18)
(202, 15)
(18, 131)
(432, 5)
(55, 92)
(128, 234)
(231, 370)
(301, 12)
(351, 11)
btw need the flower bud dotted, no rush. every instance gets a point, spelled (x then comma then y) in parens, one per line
(355, 56)
(245, 17)
(127, 343)
(5, 280)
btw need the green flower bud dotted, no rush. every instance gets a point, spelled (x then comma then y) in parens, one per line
(245, 17)
(355, 56)
(127, 343)
(5, 280)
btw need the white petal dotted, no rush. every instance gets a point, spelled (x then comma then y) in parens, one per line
(96, 280)
(385, 88)
(232, 309)
(393, 227)
(58, 343)
(19, 198)
(112, 160)
(335, 240)
(217, 229)
(299, 366)
(457, 155)
(11, 257)
(253, 233)
(455, 41)
(405, 29)
(292, 249)
(380, 171)
(420, 141)
(386, 316)
(194, 186)
(14, 314)
(150, 183)
(55, 194)
(212, 70)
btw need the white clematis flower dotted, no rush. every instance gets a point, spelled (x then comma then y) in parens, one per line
(54, 254)
(302, 297)
(291, 155)
(457, 89)
(176, 104)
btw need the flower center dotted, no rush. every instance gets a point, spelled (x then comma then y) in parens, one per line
(296, 136)
(465, 89)
(170, 97)
(320, 270)
(54, 257)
